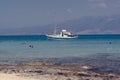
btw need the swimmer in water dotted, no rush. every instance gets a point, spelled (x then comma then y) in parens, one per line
(31, 46)
(110, 42)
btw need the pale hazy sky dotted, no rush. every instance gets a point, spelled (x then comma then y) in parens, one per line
(25, 13)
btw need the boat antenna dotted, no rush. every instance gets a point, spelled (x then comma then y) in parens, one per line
(54, 32)
(55, 25)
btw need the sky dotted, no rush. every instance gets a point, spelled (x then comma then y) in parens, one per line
(27, 13)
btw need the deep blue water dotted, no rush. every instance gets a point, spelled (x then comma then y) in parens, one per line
(43, 37)
(101, 50)
(84, 45)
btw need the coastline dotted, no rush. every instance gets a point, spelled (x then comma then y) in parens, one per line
(53, 71)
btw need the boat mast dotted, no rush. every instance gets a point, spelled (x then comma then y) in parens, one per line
(55, 24)
(54, 32)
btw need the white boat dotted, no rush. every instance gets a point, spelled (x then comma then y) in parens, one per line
(64, 34)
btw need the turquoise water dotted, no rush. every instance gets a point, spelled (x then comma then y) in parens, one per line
(100, 50)
(18, 47)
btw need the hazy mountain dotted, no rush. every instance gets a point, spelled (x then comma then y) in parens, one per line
(85, 25)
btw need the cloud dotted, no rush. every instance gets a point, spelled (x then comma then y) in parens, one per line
(102, 5)
(98, 3)
(69, 10)
(96, 0)
(117, 4)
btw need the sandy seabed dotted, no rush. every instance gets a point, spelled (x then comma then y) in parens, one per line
(5, 76)
(53, 71)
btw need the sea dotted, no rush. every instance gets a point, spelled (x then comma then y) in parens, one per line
(97, 50)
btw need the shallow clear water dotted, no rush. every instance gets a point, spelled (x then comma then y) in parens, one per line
(18, 47)
(100, 50)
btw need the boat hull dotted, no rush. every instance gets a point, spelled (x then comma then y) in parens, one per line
(60, 37)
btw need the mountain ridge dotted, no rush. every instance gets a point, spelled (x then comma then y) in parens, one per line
(84, 25)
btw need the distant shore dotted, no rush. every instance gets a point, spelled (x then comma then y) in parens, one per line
(53, 71)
